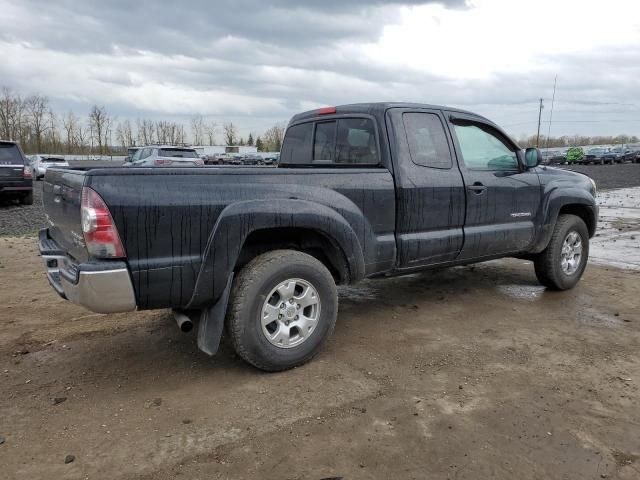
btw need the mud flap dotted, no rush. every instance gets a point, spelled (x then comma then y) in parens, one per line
(212, 322)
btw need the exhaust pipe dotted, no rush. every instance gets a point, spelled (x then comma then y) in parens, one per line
(184, 322)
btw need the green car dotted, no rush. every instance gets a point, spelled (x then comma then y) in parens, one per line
(575, 155)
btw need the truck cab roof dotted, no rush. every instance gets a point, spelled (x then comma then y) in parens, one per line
(377, 108)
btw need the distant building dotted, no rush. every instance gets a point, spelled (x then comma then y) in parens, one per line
(217, 149)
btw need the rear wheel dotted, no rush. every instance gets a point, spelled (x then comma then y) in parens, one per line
(561, 265)
(283, 307)
(27, 199)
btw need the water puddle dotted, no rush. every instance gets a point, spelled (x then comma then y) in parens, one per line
(522, 292)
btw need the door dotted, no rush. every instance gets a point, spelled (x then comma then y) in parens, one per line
(430, 197)
(502, 197)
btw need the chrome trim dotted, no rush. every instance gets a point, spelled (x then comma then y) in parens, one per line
(106, 291)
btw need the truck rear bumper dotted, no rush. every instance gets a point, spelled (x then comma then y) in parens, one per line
(102, 287)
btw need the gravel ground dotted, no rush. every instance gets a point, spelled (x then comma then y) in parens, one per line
(611, 176)
(468, 373)
(16, 219)
(20, 220)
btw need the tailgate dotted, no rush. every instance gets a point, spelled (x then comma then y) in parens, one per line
(62, 197)
(11, 164)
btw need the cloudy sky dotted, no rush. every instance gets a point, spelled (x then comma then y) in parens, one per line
(257, 62)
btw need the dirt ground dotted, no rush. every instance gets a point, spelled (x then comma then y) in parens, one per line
(467, 373)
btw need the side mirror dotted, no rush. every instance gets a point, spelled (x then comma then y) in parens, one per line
(532, 157)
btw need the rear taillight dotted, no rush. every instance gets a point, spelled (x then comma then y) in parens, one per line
(160, 161)
(100, 233)
(27, 172)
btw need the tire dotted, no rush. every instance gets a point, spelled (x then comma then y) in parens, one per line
(255, 286)
(27, 199)
(548, 263)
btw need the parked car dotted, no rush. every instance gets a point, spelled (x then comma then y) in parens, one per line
(574, 155)
(252, 159)
(39, 164)
(550, 157)
(223, 159)
(621, 155)
(166, 156)
(633, 155)
(361, 191)
(595, 155)
(130, 154)
(272, 159)
(16, 177)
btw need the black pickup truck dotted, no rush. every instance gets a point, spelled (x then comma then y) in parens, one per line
(364, 190)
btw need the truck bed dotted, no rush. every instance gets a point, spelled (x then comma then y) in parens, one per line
(172, 220)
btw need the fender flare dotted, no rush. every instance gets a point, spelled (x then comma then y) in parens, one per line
(240, 219)
(553, 203)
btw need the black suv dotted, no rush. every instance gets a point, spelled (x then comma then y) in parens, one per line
(16, 180)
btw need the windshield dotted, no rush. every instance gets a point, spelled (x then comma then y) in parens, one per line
(10, 155)
(53, 160)
(177, 152)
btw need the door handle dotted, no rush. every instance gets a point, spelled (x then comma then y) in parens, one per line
(477, 188)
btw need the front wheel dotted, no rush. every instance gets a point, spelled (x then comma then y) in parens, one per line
(561, 265)
(283, 307)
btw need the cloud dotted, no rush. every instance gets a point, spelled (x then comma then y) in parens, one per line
(258, 62)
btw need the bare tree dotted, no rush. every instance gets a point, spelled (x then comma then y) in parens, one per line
(124, 134)
(181, 136)
(37, 108)
(70, 125)
(52, 137)
(210, 129)
(12, 113)
(230, 133)
(145, 131)
(272, 138)
(197, 129)
(100, 124)
(81, 137)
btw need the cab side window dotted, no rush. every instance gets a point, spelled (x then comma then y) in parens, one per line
(482, 150)
(427, 140)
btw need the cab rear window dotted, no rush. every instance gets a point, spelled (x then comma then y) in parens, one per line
(341, 142)
(10, 154)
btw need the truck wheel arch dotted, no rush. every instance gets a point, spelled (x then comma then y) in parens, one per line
(238, 221)
(576, 203)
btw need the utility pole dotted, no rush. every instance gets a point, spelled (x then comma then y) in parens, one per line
(539, 119)
(553, 99)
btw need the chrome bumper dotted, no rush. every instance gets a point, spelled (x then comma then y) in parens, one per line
(101, 287)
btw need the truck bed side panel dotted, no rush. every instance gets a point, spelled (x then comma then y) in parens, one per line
(165, 217)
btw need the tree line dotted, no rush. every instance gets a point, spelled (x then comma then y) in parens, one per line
(32, 122)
